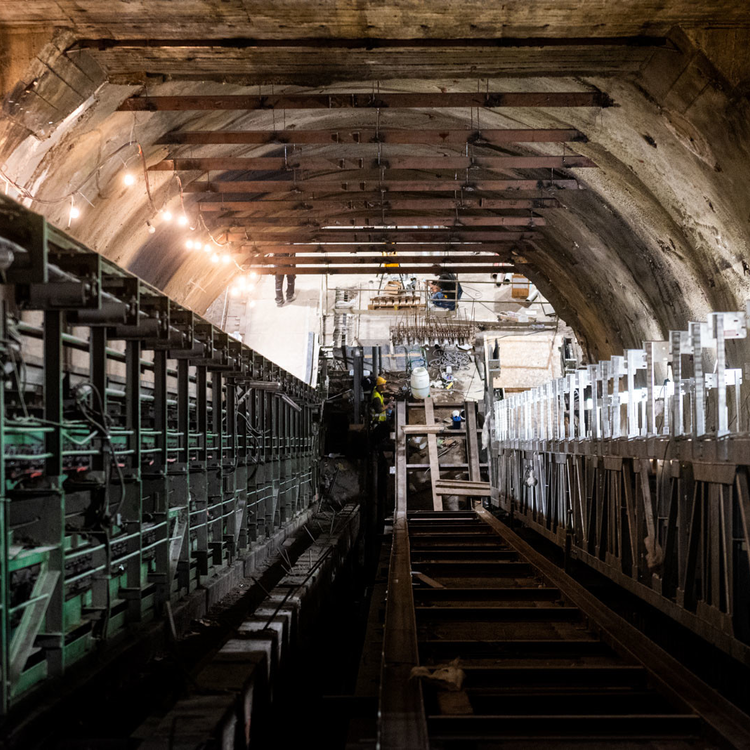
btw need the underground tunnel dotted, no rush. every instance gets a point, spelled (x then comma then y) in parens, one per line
(374, 374)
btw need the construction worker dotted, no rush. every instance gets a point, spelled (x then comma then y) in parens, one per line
(378, 410)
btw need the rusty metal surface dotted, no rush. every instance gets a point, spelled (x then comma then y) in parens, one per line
(365, 101)
(343, 162)
(383, 135)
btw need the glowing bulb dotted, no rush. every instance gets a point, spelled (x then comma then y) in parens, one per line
(151, 227)
(128, 179)
(226, 258)
(189, 244)
(214, 258)
(252, 303)
(182, 220)
(253, 276)
(207, 248)
(233, 291)
(75, 212)
(166, 215)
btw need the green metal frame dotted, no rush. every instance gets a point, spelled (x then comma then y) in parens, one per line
(217, 447)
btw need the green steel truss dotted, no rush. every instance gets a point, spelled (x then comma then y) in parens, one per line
(144, 451)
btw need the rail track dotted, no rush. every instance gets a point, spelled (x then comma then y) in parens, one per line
(538, 661)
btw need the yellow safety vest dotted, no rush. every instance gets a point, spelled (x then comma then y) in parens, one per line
(378, 407)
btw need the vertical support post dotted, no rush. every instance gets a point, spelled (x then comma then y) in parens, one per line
(617, 366)
(53, 466)
(722, 426)
(699, 395)
(358, 370)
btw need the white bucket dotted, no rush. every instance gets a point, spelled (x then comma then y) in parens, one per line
(420, 383)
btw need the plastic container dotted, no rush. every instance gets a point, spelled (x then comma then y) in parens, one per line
(420, 383)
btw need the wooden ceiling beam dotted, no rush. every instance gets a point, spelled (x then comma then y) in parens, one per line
(359, 187)
(255, 102)
(275, 260)
(372, 138)
(280, 248)
(390, 223)
(321, 164)
(426, 269)
(325, 207)
(364, 237)
(369, 43)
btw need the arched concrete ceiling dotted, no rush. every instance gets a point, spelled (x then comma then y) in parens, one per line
(660, 235)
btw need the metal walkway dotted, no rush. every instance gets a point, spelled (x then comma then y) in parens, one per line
(542, 662)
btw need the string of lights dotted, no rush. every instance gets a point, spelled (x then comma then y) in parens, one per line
(217, 251)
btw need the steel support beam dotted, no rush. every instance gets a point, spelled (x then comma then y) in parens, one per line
(320, 164)
(343, 260)
(357, 185)
(250, 103)
(364, 237)
(360, 207)
(362, 270)
(369, 136)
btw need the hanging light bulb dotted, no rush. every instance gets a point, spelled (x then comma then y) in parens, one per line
(207, 248)
(226, 258)
(182, 220)
(252, 303)
(75, 212)
(233, 291)
(214, 258)
(189, 244)
(128, 179)
(253, 276)
(166, 215)
(151, 227)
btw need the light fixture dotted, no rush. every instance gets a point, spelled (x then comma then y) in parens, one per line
(151, 227)
(128, 179)
(182, 220)
(166, 215)
(75, 212)
(241, 282)
(233, 291)
(189, 244)
(253, 276)
(214, 258)
(252, 303)
(226, 258)
(207, 248)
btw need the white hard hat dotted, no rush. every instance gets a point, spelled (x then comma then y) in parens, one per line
(456, 413)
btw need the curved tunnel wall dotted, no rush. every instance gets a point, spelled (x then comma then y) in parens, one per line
(660, 236)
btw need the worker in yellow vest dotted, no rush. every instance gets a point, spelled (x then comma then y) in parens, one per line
(378, 410)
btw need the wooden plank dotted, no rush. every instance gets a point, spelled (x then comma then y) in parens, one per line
(368, 138)
(463, 491)
(429, 581)
(260, 102)
(429, 418)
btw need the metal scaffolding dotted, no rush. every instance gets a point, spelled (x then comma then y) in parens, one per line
(639, 467)
(144, 452)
